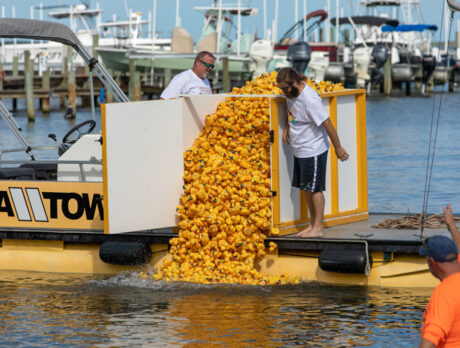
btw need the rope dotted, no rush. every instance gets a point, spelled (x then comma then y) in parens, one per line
(431, 152)
(413, 222)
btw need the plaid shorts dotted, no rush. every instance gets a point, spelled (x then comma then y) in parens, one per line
(310, 173)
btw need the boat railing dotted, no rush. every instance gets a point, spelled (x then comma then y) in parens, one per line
(47, 147)
(80, 163)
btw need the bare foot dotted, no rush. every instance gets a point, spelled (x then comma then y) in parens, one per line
(304, 231)
(311, 233)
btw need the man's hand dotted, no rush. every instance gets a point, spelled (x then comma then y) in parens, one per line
(286, 135)
(448, 215)
(341, 154)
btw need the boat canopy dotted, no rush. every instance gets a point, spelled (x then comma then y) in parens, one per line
(38, 30)
(369, 20)
(409, 27)
(52, 31)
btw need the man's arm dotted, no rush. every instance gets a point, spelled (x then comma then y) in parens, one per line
(450, 222)
(286, 131)
(424, 343)
(332, 133)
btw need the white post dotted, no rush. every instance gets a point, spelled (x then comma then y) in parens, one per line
(41, 16)
(296, 16)
(71, 19)
(458, 38)
(154, 23)
(13, 14)
(265, 20)
(3, 40)
(31, 17)
(328, 26)
(239, 29)
(409, 12)
(177, 14)
(446, 31)
(337, 21)
(275, 27)
(304, 34)
(98, 20)
(219, 26)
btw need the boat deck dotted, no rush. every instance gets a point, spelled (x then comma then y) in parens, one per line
(386, 240)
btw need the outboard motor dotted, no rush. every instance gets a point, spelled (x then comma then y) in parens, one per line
(428, 65)
(261, 53)
(299, 55)
(361, 62)
(379, 56)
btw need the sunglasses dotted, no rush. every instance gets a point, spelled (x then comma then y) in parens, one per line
(285, 89)
(207, 65)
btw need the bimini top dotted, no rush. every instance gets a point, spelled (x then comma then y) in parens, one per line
(37, 30)
(409, 27)
(369, 20)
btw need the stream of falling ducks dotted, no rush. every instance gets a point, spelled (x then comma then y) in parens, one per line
(225, 209)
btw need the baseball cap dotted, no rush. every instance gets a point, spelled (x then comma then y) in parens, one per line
(439, 248)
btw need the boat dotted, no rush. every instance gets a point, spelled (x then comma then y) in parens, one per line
(107, 204)
(86, 23)
(411, 55)
(316, 55)
(168, 61)
(369, 49)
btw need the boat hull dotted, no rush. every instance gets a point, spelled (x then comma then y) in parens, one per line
(117, 59)
(395, 263)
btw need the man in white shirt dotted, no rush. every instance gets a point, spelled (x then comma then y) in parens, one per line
(194, 80)
(307, 128)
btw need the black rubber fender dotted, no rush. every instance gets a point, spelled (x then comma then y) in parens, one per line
(125, 253)
(344, 258)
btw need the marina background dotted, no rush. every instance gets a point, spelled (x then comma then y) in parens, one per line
(193, 20)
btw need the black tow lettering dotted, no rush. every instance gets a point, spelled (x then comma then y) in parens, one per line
(84, 205)
(90, 208)
(5, 204)
(53, 197)
(65, 206)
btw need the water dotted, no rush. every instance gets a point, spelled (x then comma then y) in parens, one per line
(398, 134)
(40, 309)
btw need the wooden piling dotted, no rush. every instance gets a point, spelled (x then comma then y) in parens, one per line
(137, 86)
(387, 78)
(15, 66)
(408, 88)
(346, 33)
(29, 86)
(45, 102)
(225, 75)
(132, 77)
(71, 84)
(108, 94)
(167, 77)
(2, 76)
(95, 45)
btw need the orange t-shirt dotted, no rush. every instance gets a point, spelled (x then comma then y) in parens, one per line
(442, 314)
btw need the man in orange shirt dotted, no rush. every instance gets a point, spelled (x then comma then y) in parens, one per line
(441, 326)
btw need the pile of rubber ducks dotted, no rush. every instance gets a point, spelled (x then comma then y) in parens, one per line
(225, 210)
(325, 86)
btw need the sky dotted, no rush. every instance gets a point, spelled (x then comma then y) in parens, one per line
(193, 20)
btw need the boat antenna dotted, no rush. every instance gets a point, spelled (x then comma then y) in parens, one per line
(434, 130)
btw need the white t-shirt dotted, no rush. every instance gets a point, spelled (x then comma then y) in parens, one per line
(306, 114)
(187, 82)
